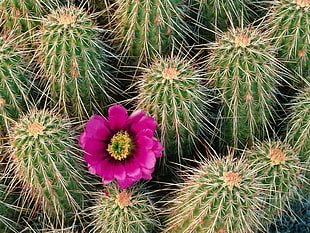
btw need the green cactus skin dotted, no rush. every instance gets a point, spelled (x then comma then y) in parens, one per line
(280, 166)
(23, 14)
(289, 24)
(222, 195)
(147, 28)
(243, 67)
(13, 84)
(123, 211)
(43, 163)
(171, 90)
(218, 15)
(298, 132)
(73, 62)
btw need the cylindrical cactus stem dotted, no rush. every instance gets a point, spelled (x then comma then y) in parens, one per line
(43, 163)
(173, 91)
(289, 25)
(147, 28)
(23, 15)
(280, 170)
(13, 81)
(124, 211)
(222, 195)
(244, 68)
(218, 15)
(73, 62)
(298, 130)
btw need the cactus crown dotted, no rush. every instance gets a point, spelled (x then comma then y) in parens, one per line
(302, 3)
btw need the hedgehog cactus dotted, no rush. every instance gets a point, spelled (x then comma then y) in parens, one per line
(148, 27)
(73, 62)
(22, 14)
(279, 166)
(298, 134)
(172, 91)
(13, 84)
(123, 211)
(289, 24)
(222, 195)
(244, 68)
(43, 163)
(221, 14)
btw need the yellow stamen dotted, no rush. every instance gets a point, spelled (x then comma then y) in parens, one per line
(242, 40)
(123, 199)
(231, 179)
(277, 156)
(170, 73)
(35, 128)
(120, 146)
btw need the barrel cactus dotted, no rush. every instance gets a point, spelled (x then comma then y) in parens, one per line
(289, 25)
(13, 81)
(280, 167)
(148, 27)
(222, 195)
(244, 68)
(73, 64)
(173, 91)
(42, 162)
(123, 211)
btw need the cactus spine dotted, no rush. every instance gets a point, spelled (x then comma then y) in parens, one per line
(171, 90)
(73, 62)
(222, 195)
(123, 211)
(244, 68)
(43, 163)
(13, 84)
(147, 28)
(279, 166)
(289, 24)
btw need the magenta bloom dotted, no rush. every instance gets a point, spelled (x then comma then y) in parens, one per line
(121, 147)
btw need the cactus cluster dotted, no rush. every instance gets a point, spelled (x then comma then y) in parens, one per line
(173, 90)
(73, 62)
(124, 211)
(289, 25)
(42, 162)
(244, 68)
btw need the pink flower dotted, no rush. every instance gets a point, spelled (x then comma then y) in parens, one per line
(121, 147)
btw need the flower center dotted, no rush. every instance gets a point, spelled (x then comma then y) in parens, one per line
(231, 179)
(120, 146)
(242, 40)
(170, 73)
(302, 3)
(35, 128)
(123, 199)
(277, 156)
(65, 19)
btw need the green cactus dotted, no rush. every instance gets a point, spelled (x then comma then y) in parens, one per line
(243, 67)
(23, 15)
(280, 167)
(123, 211)
(218, 15)
(13, 81)
(289, 24)
(43, 163)
(172, 90)
(222, 195)
(147, 28)
(72, 59)
(298, 130)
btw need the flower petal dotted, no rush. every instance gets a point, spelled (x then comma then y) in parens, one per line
(132, 168)
(125, 183)
(98, 128)
(144, 142)
(117, 117)
(95, 148)
(146, 173)
(145, 122)
(119, 171)
(82, 139)
(146, 158)
(134, 117)
(157, 148)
